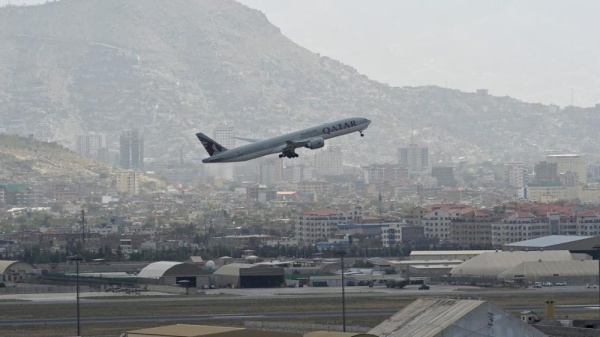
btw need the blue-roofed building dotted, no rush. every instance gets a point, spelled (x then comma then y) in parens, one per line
(369, 230)
(572, 243)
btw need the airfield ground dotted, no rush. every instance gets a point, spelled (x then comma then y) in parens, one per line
(109, 314)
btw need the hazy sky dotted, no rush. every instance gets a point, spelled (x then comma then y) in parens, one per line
(537, 51)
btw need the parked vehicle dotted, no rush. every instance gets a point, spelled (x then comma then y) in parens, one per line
(561, 284)
(424, 287)
(537, 285)
(592, 286)
(547, 284)
(396, 284)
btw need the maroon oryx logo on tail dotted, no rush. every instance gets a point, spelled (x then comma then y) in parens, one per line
(210, 145)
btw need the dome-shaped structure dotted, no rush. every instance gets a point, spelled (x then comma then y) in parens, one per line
(173, 273)
(14, 270)
(156, 270)
(491, 264)
(210, 264)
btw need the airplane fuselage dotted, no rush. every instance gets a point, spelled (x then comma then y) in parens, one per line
(280, 143)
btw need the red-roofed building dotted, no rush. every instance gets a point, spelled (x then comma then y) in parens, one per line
(588, 222)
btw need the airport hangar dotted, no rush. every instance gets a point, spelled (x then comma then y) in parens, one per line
(572, 243)
(525, 267)
(173, 273)
(244, 275)
(14, 271)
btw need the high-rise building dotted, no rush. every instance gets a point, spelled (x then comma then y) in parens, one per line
(127, 183)
(546, 173)
(514, 177)
(415, 158)
(132, 150)
(444, 176)
(225, 136)
(570, 163)
(271, 171)
(329, 162)
(389, 174)
(88, 145)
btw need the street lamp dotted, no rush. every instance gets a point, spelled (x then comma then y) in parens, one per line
(77, 259)
(341, 253)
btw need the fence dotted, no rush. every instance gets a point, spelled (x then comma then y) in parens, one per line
(41, 289)
(302, 328)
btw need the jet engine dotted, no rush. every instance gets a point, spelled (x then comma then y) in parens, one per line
(315, 143)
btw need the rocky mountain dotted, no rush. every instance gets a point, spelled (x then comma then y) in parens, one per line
(172, 68)
(24, 159)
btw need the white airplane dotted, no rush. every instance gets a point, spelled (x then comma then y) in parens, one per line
(286, 145)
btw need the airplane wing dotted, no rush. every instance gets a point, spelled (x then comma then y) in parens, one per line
(296, 144)
(251, 140)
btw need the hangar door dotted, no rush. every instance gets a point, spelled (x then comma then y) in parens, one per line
(261, 277)
(189, 280)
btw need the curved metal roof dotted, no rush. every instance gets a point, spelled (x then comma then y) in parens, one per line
(233, 269)
(5, 264)
(156, 270)
(535, 269)
(493, 263)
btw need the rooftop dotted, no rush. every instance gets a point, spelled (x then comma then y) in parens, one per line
(551, 240)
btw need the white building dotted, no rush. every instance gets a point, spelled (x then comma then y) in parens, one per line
(315, 225)
(437, 224)
(519, 226)
(514, 177)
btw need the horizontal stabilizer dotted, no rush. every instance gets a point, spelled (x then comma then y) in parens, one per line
(251, 140)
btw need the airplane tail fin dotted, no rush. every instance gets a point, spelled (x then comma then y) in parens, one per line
(210, 145)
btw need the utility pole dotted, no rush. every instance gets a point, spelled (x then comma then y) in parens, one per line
(341, 253)
(77, 259)
(82, 226)
(597, 248)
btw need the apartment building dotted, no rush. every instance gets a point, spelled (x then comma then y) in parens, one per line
(398, 233)
(474, 230)
(127, 183)
(518, 226)
(588, 223)
(436, 224)
(314, 225)
(438, 221)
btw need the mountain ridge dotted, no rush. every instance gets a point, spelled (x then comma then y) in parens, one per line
(178, 67)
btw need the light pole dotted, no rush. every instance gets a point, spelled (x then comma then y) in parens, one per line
(77, 259)
(597, 248)
(341, 253)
